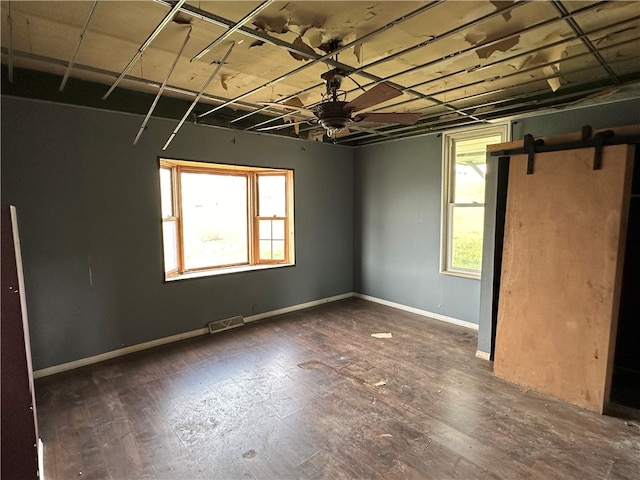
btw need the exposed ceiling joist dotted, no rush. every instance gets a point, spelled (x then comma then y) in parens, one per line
(67, 72)
(144, 46)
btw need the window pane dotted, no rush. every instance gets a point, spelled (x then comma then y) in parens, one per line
(214, 215)
(165, 193)
(470, 168)
(271, 249)
(169, 235)
(466, 241)
(271, 229)
(271, 239)
(271, 196)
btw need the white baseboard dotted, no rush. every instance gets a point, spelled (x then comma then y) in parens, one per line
(175, 338)
(40, 460)
(483, 355)
(424, 313)
(202, 331)
(294, 308)
(117, 353)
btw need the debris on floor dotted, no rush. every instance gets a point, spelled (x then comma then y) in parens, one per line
(382, 335)
(249, 454)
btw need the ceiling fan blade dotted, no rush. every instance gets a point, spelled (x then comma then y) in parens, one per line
(288, 107)
(399, 117)
(378, 94)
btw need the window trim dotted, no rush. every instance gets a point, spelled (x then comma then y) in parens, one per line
(449, 140)
(257, 218)
(253, 253)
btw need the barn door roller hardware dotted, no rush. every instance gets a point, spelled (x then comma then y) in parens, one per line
(599, 140)
(532, 146)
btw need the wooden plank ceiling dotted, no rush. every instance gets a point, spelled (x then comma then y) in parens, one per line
(453, 63)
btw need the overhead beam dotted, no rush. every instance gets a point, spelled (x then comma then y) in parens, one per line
(521, 102)
(224, 23)
(137, 80)
(328, 58)
(545, 23)
(147, 42)
(518, 84)
(535, 100)
(162, 87)
(195, 100)
(358, 41)
(10, 61)
(420, 96)
(306, 54)
(585, 40)
(75, 54)
(232, 30)
(523, 71)
(448, 57)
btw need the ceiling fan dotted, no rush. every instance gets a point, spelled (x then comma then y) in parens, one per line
(335, 114)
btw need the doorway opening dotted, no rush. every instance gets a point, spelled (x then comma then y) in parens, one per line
(625, 384)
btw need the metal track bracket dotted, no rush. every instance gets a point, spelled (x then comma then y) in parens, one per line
(530, 145)
(599, 141)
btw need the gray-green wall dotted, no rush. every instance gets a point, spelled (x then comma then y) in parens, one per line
(89, 218)
(367, 220)
(397, 207)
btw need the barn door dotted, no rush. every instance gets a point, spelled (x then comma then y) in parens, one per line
(564, 242)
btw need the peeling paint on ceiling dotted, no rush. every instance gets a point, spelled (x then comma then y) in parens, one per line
(454, 63)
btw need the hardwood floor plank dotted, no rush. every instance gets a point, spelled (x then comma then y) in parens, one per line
(311, 395)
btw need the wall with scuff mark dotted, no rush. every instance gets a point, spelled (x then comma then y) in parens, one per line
(89, 216)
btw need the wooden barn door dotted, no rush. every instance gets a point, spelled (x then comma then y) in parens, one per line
(564, 243)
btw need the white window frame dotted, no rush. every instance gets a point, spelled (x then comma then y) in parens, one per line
(449, 140)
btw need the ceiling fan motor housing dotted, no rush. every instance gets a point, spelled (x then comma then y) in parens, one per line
(333, 116)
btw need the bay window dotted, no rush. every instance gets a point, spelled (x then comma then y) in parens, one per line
(224, 217)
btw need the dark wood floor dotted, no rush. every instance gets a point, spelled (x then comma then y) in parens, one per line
(311, 395)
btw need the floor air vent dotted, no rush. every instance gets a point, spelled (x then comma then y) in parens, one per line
(226, 324)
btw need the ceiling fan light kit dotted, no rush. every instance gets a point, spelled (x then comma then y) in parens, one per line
(332, 116)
